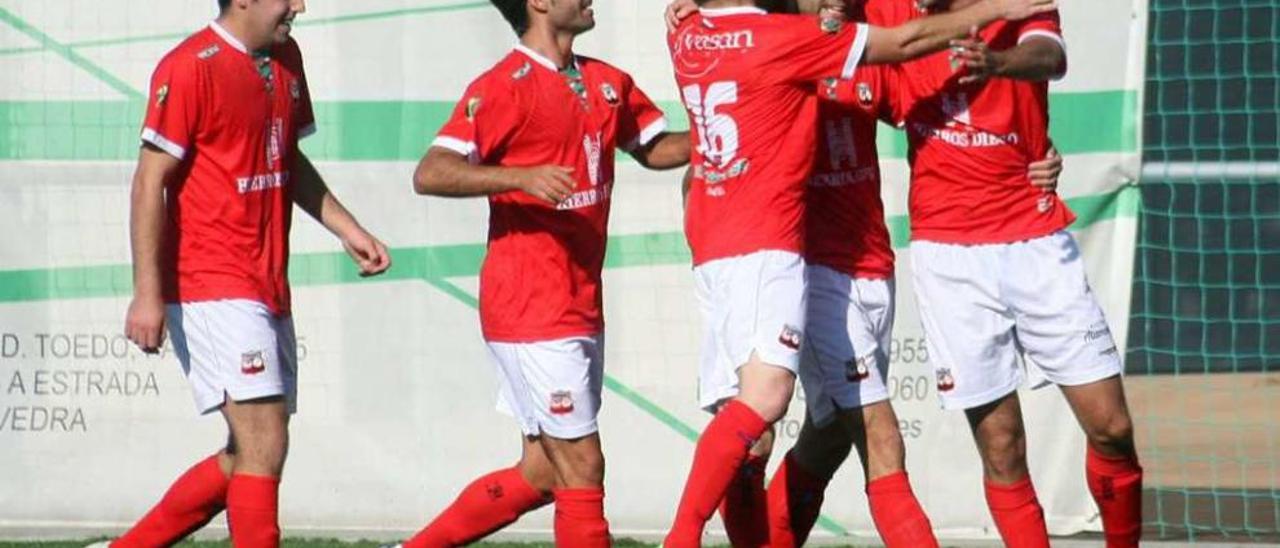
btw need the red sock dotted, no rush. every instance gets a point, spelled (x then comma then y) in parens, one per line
(198, 495)
(580, 519)
(1017, 514)
(489, 503)
(795, 498)
(721, 449)
(897, 514)
(1116, 484)
(252, 510)
(745, 509)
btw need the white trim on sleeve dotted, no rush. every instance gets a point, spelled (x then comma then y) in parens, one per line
(154, 137)
(1050, 35)
(647, 134)
(464, 148)
(856, 51)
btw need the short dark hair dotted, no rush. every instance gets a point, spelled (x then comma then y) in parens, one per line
(223, 5)
(516, 12)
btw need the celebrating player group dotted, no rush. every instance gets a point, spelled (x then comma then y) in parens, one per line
(792, 263)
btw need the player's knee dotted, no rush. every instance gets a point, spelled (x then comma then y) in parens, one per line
(1004, 454)
(1114, 435)
(763, 448)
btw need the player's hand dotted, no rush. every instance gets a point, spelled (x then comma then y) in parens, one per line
(370, 255)
(1044, 173)
(551, 184)
(979, 62)
(1013, 10)
(676, 11)
(144, 323)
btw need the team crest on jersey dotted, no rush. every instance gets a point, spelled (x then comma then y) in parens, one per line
(209, 52)
(252, 363)
(1044, 203)
(561, 402)
(946, 382)
(495, 491)
(790, 337)
(864, 94)
(162, 94)
(610, 94)
(473, 105)
(829, 87)
(858, 369)
(522, 71)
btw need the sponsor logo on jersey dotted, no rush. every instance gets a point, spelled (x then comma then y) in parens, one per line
(790, 337)
(946, 382)
(162, 94)
(252, 363)
(473, 105)
(586, 198)
(610, 94)
(209, 52)
(561, 402)
(864, 94)
(591, 146)
(258, 183)
(829, 88)
(275, 147)
(858, 369)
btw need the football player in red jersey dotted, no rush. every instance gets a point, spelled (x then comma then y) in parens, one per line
(748, 83)
(995, 272)
(212, 199)
(537, 134)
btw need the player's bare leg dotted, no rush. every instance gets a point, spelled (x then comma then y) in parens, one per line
(763, 396)
(579, 493)
(260, 429)
(1111, 466)
(998, 431)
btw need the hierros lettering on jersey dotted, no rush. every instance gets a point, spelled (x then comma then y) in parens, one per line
(959, 131)
(598, 192)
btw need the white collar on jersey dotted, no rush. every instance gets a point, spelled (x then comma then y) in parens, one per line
(736, 10)
(228, 37)
(540, 58)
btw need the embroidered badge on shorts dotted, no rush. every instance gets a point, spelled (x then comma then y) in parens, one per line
(790, 337)
(858, 369)
(252, 363)
(561, 402)
(945, 381)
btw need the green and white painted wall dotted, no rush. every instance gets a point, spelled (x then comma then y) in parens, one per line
(396, 406)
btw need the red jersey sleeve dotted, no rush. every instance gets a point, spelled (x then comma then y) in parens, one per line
(875, 89)
(1048, 25)
(306, 116)
(805, 53)
(639, 119)
(483, 122)
(174, 106)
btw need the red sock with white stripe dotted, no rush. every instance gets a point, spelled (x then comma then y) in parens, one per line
(1116, 485)
(253, 511)
(194, 499)
(897, 514)
(1017, 514)
(720, 452)
(745, 510)
(489, 503)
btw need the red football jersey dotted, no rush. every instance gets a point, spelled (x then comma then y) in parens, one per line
(970, 144)
(845, 226)
(541, 276)
(234, 119)
(747, 79)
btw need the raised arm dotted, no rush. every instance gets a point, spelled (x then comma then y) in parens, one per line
(144, 322)
(313, 196)
(444, 172)
(926, 35)
(1037, 57)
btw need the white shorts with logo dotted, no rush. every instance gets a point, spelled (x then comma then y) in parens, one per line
(551, 387)
(234, 349)
(982, 305)
(846, 356)
(749, 303)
